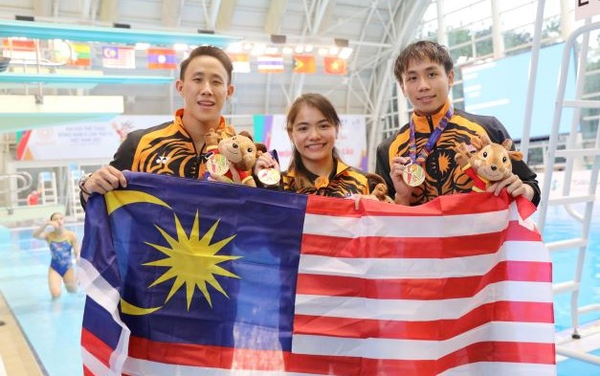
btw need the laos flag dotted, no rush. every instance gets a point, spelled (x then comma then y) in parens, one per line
(187, 277)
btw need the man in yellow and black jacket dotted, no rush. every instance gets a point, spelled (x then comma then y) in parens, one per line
(166, 149)
(175, 148)
(424, 72)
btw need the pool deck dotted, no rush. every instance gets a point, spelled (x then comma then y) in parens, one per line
(17, 357)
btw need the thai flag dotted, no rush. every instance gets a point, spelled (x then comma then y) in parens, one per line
(189, 277)
(270, 63)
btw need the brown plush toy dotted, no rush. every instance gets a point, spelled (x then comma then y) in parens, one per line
(231, 157)
(491, 162)
(378, 188)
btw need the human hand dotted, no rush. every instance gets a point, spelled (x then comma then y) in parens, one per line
(235, 176)
(403, 190)
(50, 226)
(264, 161)
(104, 180)
(514, 187)
(358, 197)
(462, 155)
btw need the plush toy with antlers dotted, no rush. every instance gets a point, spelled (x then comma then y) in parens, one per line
(491, 162)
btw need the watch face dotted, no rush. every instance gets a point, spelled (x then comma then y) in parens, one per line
(83, 179)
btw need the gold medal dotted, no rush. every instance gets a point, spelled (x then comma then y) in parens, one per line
(269, 177)
(413, 175)
(217, 164)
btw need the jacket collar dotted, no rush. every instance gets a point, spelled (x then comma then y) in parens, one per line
(179, 122)
(422, 123)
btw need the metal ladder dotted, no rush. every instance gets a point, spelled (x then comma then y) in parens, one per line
(570, 153)
(47, 188)
(75, 209)
(10, 187)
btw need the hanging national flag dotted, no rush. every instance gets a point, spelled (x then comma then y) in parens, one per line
(334, 65)
(81, 52)
(19, 49)
(162, 58)
(23, 150)
(270, 63)
(241, 62)
(252, 281)
(304, 64)
(118, 57)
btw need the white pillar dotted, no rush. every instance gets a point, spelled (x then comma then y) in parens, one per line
(497, 37)
(442, 36)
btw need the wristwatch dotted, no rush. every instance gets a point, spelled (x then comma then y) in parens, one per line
(81, 183)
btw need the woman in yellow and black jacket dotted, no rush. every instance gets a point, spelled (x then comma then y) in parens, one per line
(315, 168)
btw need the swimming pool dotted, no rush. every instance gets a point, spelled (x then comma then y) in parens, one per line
(53, 327)
(560, 226)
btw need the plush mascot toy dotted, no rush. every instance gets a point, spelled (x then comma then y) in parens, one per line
(490, 162)
(378, 188)
(231, 157)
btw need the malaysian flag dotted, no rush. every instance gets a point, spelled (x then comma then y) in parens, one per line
(118, 57)
(193, 277)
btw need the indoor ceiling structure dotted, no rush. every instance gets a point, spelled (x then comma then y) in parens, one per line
(374, 30)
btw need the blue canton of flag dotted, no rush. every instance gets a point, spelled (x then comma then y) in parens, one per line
(190, 267)
(118, 57)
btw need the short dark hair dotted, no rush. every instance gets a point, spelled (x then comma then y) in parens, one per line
(419, 51)
(213, 51)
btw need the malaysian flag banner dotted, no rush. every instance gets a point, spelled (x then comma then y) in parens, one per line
(200, 278)
(118, 57)
(270, 63)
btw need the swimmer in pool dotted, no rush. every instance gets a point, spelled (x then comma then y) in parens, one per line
(62, 244)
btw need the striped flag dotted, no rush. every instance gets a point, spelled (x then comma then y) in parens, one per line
(334, 65)
(19, 49)
(162, 58)
(118, 57)
(304, 64)
(270, 63)
(241, 62)
(258, 282)
(82, 55)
